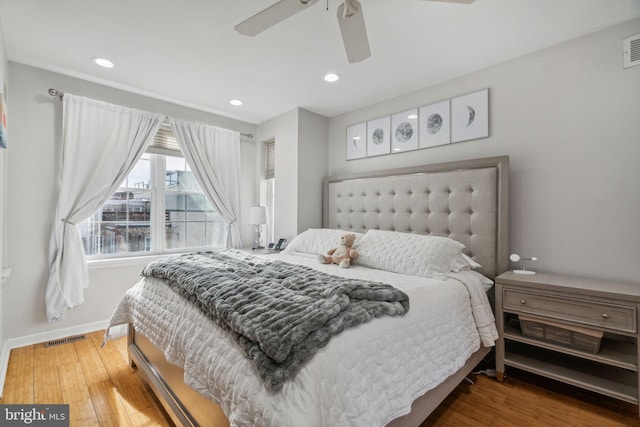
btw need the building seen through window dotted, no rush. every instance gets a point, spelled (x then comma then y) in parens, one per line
(176, 211)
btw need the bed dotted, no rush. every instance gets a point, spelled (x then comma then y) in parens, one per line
(382, 372)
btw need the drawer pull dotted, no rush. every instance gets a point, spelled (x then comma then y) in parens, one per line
(605, 316)
(523, 301)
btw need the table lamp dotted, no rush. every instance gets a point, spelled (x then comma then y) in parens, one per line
(257, 217)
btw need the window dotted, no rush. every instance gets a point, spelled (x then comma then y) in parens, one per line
(270, 173)
(270, 159)
(159, 208)
(190, 219)
(123, 223)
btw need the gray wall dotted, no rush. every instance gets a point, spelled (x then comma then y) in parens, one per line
(33, 174)
(313, 133)
(284, 130)
(569, 118)
(301, 164)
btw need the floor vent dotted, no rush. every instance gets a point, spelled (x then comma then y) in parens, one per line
(65, 340)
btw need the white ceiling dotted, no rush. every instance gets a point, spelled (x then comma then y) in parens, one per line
(187, 52)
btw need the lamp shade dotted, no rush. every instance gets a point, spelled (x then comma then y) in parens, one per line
(257, 215)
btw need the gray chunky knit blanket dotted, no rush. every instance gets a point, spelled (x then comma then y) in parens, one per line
(281, 314)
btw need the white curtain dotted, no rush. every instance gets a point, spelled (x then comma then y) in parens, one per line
(101, 144)
(214, 157)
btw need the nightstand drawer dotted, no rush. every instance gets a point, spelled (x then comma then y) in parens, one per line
(611, 316)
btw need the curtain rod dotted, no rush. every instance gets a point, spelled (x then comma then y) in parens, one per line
(57, 94)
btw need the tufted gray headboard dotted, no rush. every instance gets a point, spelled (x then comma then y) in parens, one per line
(466, 201)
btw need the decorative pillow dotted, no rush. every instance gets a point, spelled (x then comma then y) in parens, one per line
(318, 240)
(405, 253)
(464, 263)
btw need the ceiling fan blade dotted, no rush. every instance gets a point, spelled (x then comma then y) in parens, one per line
(271, 16)
(354, 32)
(455, 1)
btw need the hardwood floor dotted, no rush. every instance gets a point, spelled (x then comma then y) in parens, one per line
(532, 401)
(96, 383)
(101, 390)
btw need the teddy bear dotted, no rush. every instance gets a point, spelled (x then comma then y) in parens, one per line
(343, 254)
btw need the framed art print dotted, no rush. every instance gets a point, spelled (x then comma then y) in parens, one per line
(435, 126)
(357, 141)
(378, 136)
(404, 131)
(470, 116)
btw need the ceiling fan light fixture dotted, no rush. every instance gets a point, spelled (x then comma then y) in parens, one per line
(350, 21)
(350, 9)
(331, 77)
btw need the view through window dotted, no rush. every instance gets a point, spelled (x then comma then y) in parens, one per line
(159, 208)
(191, 221)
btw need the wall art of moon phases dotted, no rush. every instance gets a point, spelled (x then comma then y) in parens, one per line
(470, 116)
(404, 131)
(379, 136)
(435, 126)
(357, 141)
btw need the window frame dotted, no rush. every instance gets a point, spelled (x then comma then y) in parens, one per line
(158, 247)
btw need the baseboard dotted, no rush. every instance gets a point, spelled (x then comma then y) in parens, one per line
(55, 334)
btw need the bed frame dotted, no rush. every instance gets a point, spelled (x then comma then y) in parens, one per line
(465, 200)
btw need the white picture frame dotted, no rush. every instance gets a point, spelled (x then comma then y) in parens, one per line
(379, 136)
(356, 142)
(470, 116)
(404, 131)
(435, 124)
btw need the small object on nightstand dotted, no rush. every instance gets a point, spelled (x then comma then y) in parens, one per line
(257, 217)
(278, 246)
(275, 247)
(516, 258)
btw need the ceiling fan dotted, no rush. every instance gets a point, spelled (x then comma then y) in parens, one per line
(350, 20)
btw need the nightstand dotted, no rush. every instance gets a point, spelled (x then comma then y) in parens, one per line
(566, 314)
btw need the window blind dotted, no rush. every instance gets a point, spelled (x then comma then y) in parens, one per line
(164, 142)
(270, 159)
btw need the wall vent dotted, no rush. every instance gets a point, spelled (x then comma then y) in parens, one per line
(631, 49)
(65, 340)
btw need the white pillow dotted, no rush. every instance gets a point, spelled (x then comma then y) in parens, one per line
(405, 253)
(486, 282)
(318, 240)
(464, 263)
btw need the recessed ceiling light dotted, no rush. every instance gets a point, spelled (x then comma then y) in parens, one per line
(331, 77)
(103, 62)
(235, 102)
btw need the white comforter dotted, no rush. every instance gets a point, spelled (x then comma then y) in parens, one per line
(365, 376)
